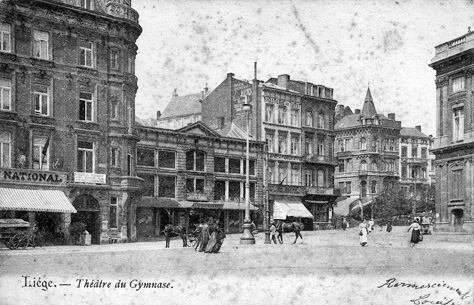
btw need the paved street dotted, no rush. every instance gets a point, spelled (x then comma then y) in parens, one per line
(329, 267)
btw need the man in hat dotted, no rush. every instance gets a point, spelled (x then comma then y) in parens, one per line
(272, 232)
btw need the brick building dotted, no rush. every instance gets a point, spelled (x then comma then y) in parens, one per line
(367, 149)
(67, 105)
(194, 173)
(415, 162)
(295, 118)
(454, 142)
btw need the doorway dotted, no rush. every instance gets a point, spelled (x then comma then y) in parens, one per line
(88, 212)
(457, 219)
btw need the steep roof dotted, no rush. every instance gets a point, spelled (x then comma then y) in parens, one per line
(233, 131)
(368, 110)
(183, 105)
(412, 132)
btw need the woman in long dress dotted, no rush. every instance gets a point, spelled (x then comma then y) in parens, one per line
(363, 233)
(415, 232)
(215, 240)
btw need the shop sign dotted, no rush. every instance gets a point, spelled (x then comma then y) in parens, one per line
(210, 206)
(196, 197)
(274, 100)
(89, 178)
(33, 176)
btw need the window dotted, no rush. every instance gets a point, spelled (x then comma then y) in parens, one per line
(404, 151)
(340, 145)
(41, 153)
(85, 156)
(194, 185)
(252, 190)
(321, 178)
(457, 184)
(341, 187)
(321, 147)
(321, 120)
(86, 58)
(5, 37)
(113, 213)
(234, 166)
(363, 166)
(347, 144)
(114, 59)
(270, 143)
(195, 160)
(295, 175)
(5, 94)
(348, 187)
(87, 4)
(115, 156)
(114, 110)
(282, 173)
(424, 152)
(309, 178)
(295, 117)
(458, 84)
(5, 149)
(414, 151)
(251, 167)
(148, 184)
(219, 164)
(130, 63)
(269, 113)
(234, 190)
(341, 166)
(348, 166)
(221, 122)
(423, 173)
(373, 187)
(363, 143)
(85, 106)
(404, 171)
(309, 118)
(166, 159)
(271, 171)
(166, 186)
(458, 126)
(41, 99)
(281, 115)
(41, 44)
(282, 143)
(390, 165)
(146, 157)
(294, 145)
(219, 190)
(308, 145)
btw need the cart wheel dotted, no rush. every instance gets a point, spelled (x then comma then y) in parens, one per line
(19, 240)
(9, 244)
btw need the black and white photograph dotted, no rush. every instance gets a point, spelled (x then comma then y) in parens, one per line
(237, 152)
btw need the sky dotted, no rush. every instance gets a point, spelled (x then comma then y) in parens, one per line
(346, 45)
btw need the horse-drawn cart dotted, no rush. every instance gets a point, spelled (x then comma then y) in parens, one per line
(14, 234)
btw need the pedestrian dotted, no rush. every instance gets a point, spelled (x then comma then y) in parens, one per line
(389, 226)
(371, 225)
(344, 223)
(415, 232)
(272, 232)
(363, 233)
(254, 228)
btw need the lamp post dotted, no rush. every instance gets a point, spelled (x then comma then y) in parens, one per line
(247, 237)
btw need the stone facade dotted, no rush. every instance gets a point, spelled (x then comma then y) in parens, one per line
(192, 174)
(454, 142)
(367, 149)
(68, 102)
(300, 158)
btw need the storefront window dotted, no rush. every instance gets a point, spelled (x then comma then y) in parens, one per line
(219, 190)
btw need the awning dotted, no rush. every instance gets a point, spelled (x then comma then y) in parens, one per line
(237, 206)
(35, 200)
(295, 209)
(168, 203)
(361, 203)
(343, 207)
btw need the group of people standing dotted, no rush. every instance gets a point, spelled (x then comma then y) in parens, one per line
(365, 227)
(209, 237)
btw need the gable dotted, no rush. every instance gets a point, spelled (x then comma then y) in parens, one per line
(200, 129)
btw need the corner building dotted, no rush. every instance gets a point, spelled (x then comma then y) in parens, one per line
(67, 100)
(454, 141)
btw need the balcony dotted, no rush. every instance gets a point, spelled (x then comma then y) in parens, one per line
(196, 196)
(320, 159)
(296, 190)
(320, 190)
(415, 160)
(116, 8)
(126, 182)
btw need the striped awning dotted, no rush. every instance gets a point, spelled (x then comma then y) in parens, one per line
(281, 210)
(35, 200)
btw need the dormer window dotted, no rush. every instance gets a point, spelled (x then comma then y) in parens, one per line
(87, 4)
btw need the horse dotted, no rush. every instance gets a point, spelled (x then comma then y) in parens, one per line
(288, 227)
(171, 231)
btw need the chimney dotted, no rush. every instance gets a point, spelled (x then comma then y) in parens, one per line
(356, 111)
(418, 128)
(175, 93)
(391, 116)
(283, 80)
(230, 75)
(158, 114)
(206, 89)
(340, 110)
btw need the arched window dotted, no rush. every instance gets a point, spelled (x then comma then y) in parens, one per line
(321, 120)
(363, 143)
(309, 117)
(373, 187)
(363, 165)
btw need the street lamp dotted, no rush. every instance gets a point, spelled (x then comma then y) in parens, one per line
(247, 237)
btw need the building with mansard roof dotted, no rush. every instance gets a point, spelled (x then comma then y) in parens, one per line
(454, 142)
(367, 148)
(67, 109)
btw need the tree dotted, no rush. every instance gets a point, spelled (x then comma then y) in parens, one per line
(392, 202)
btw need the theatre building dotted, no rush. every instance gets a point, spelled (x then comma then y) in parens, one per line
(67, 100)
(194, 173)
